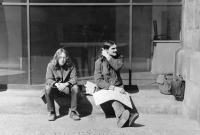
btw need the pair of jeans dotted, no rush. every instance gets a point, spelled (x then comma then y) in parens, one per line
(50, 93)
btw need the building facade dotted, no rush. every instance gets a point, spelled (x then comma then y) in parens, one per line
(188, 58)
(32, 30)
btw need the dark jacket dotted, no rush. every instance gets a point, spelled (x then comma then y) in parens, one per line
(54, 75)
(108, 72)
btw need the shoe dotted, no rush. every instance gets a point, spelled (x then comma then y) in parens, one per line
(132, 118)
(123, 119)
(74, 115)
(52, 116)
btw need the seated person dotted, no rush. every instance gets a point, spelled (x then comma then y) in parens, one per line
(61, 77)
(107, 76)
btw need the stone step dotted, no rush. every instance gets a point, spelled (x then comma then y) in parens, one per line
(29, 102)
(146, 124)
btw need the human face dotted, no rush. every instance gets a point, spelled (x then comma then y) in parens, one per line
(112, 51)
(62, 59)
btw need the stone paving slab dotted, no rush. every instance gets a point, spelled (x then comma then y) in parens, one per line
(29, 102)
(146, 124)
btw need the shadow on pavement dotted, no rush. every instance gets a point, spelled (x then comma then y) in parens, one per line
(137, 125)
(64, 103)
(3, 87)
(85, 107)
(131, 88)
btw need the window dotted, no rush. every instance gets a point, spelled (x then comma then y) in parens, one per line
(13, 43)
(81, 30)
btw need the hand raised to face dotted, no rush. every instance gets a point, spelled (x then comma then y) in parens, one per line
(105, 53)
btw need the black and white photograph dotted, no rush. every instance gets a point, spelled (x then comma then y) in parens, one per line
(99, 67)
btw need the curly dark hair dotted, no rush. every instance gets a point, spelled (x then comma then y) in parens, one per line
(108, 43)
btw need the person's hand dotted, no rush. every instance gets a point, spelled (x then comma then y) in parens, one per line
(105, 53)
(57, 85)
(120, 90)
(61, 86)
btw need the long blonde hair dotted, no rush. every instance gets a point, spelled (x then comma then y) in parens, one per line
(67, 64)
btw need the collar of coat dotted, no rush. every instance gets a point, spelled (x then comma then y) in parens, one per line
(66, 71)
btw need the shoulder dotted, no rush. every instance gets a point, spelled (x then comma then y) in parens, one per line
(50, 65)
(98, 60)
(72, 67)
(120, 56)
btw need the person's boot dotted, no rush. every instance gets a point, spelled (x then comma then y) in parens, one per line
(123, 119)
(52, 116)
(132, 118)
(74, 115)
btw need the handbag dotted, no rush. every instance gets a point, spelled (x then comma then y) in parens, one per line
(164, 85)
(178, 87)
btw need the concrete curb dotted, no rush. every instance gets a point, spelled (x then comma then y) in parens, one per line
(29, 102)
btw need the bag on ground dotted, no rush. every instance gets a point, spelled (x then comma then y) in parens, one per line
(164, 85)
(178, 87)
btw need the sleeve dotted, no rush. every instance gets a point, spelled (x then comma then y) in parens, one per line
(73, 76)
(99, 78)
(50, 79)
(116, 64)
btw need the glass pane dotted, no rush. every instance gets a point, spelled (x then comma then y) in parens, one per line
(13, 1)
(81, 30)
(141, 40)
(152, 23)
(13, 43)
(167, 21)
(81, 1)
(155, 1)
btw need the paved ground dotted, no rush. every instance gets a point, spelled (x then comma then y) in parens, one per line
(29, 102)
(147, 124)
(23, 113)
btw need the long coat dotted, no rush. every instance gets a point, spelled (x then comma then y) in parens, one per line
(54, 75)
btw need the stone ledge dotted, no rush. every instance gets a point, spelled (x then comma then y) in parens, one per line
(29, 102)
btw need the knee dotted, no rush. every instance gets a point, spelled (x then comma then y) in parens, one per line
(75, 89)
(117, 104)
(48, 89)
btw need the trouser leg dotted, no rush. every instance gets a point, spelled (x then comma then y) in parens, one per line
(74, 96)
(118, 108)
(49, 95)
(132, 110)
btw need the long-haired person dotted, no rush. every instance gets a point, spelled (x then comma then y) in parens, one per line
(107, 77)
(61, 77)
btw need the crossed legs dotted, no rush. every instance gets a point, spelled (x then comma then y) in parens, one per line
(123, 115)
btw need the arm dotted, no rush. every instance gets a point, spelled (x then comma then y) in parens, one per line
(101, 83)
(73, 76)
(98, 76)
(50, 79)
(116, 64)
